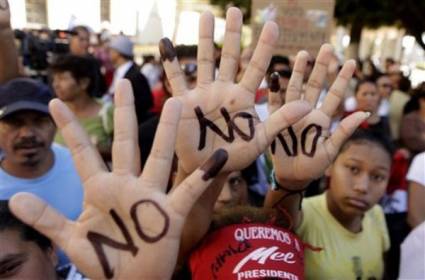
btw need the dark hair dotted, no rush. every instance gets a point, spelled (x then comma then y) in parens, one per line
(9, 222)
(361, 82)
(278, 59)
(80, 67)
(186, 51)
(79, 28)
(367, 135)
(413, 104)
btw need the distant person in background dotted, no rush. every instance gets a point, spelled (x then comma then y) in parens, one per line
(122, 55)
(398, 99)
(79, 44)
(385, 88)
(416, 178)
(368, 100)
(152, 70)
(73, 78)
(412, 129)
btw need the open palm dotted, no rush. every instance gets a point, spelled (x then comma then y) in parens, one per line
(303, 151)
(130, 228)
(219, 113)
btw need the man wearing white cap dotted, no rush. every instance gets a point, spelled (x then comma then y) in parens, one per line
(121, 53)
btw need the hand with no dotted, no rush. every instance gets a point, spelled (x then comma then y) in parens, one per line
(129, 228)
(223, 104)
(302, 152)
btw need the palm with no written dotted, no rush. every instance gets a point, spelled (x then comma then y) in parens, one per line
(221, 102)
(303, 151)
(129, 228)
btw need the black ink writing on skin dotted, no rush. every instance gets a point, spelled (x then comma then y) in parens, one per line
(140, 232)
(205, 123)
(221, 259)
(304, 135)
(97, 239)
(285, 146)
(294, 141)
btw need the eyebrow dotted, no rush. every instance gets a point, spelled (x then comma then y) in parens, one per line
(381, 167)
(10, 258)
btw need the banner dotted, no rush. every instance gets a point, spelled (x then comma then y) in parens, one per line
(303, 24)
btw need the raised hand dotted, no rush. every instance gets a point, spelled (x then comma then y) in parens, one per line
(130, 228)
(302, 152)
(219, 113)
(4, 14)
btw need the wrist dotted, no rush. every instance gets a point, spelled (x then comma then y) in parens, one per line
(280, 183)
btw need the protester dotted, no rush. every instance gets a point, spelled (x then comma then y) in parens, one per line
(416, 178)
(121, 54)
(73, 82)
(27, 254)
(412, 129)
(30, 162)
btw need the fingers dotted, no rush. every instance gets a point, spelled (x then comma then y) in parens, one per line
(337, 92)
(125, 151)
(36, 213)
(172, 67)
(206, 63)
(344, 130)
(260, 60)
(157, 169)
(231, 48)
(87, 160)
(274, 98)
(295, 85)
(286, 116)
(187, 193)
(318, 75)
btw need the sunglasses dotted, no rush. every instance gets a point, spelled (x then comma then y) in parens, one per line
(189, 69)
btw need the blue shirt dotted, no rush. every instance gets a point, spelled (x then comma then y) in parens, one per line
(60, 187)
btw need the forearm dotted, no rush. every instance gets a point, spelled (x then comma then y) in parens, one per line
(287, 202)
(8, 55)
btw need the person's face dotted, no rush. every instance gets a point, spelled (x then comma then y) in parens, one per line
(234, 192)
(80, 43)
(385, 86)
(114, 56)
(395, 78)
(66, 87)
(21, 259)
(358, 178)
(26, 137)
(367, 98)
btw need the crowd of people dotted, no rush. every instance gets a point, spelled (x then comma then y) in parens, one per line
(217, 163)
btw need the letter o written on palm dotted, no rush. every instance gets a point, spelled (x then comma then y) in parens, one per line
(219, 113)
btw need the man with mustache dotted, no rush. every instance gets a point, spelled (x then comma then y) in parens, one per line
(29, 161)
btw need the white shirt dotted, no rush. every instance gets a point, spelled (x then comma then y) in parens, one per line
(412, 258)
(119, 74)
(417, 170)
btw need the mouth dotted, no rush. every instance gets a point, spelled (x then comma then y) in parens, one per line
(357, 203)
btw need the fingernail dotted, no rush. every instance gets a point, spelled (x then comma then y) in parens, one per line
(368, 114)
(166, 50)
(274, 82)
(214, 164)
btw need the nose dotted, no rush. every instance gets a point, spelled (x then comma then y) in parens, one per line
(26, 131)
(361, 185)
(225, 195)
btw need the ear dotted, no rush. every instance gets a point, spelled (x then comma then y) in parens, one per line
(328, 170)
(52, 255)
(84, 83)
